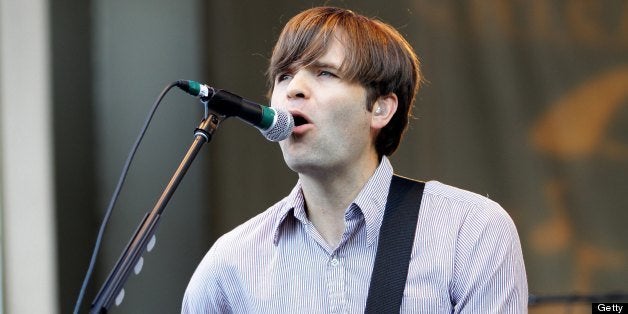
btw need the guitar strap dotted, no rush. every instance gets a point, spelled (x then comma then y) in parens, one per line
(396, 238)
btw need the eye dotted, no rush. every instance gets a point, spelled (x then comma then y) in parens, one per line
(282, 77)
(326, 73)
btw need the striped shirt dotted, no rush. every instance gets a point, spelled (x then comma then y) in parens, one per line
(466, 258)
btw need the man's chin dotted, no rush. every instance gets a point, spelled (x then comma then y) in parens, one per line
(300, 167)
(304, 166)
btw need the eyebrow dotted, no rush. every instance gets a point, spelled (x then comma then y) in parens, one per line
(326, 65)
(316, 64)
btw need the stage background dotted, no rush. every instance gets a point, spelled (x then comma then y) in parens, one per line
(525, 102)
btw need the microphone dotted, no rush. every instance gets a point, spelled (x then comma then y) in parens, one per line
(275, 124)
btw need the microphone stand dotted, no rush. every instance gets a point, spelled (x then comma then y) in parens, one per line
(144, 235)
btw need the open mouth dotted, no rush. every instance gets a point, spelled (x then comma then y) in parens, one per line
(299, 120)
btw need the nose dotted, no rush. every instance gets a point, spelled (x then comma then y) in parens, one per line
(298, 87)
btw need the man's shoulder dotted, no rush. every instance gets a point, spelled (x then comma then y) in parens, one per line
(457, 201)
(233, 254)
(472, 219)
(445, 191)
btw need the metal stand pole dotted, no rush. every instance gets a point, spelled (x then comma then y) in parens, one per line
(113, 286)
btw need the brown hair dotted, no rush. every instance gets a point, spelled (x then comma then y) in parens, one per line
(376, 56)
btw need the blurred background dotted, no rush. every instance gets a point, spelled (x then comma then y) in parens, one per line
(525, 102)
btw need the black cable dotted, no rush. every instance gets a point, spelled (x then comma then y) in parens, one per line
(115, 195)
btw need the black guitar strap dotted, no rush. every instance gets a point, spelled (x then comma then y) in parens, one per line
(396, 237)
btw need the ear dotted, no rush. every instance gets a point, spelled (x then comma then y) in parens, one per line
(383, 110)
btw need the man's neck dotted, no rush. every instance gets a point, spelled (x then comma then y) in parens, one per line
(328, 196)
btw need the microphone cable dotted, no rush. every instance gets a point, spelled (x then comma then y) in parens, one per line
(115, 195)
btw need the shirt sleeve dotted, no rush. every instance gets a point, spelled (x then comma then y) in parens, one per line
(489, 272)
(204, 293)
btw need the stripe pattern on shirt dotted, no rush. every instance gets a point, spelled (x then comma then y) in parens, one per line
(466, 258)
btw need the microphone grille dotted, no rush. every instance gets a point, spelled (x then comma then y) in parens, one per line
(281, 127)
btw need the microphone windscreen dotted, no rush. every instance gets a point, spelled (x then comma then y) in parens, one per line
(282, 126)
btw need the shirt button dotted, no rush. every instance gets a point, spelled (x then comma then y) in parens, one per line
(334, 262)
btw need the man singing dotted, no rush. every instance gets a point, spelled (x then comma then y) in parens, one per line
(350, 82)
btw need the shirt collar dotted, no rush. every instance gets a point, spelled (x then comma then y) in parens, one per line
(371, 201)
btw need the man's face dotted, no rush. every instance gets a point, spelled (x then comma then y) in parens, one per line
(332, 125)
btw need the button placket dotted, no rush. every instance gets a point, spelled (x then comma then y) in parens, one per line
(336, 285)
